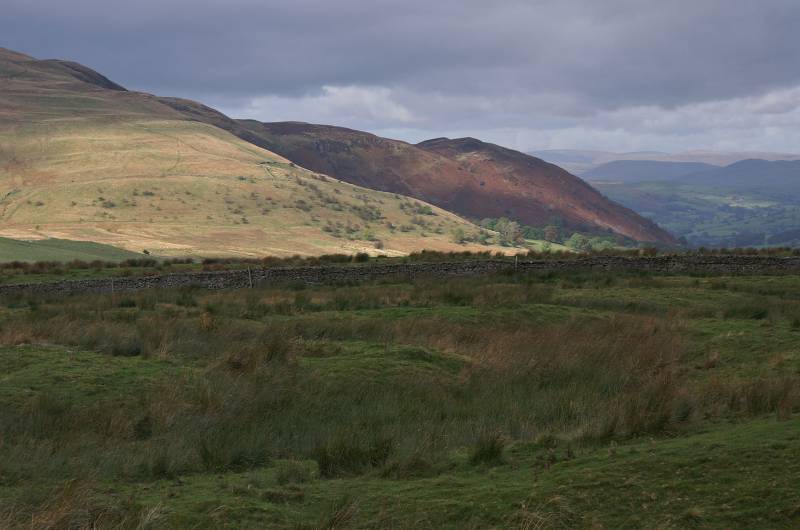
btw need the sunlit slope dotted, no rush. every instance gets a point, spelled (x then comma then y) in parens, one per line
(81, 158)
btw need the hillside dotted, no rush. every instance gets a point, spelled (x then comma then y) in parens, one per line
(535, 191)
(469, 177)
(82, 158)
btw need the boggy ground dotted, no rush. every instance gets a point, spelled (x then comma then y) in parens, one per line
(558, 401)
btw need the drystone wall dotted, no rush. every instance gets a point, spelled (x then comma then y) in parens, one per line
(722, 265)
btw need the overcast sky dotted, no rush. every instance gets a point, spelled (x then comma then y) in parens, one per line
(617, 75)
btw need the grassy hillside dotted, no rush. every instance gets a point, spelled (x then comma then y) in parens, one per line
(60, 250)
(466, 176)
(565, 401)
(86, 160)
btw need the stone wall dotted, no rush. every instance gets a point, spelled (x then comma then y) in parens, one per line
(722, 265)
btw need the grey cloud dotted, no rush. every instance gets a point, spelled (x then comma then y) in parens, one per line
(450, 65)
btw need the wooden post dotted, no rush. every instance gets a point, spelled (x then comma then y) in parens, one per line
(249, 277)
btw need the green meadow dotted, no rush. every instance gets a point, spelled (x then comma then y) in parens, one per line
(60, 250)
(510, 401)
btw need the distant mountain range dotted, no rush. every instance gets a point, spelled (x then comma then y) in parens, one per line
(646, 170)
(766, 176)
(582, 161)
(775, 178)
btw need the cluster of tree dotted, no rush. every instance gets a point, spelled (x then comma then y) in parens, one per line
(511, 233)
(460, 236)
(585, 243)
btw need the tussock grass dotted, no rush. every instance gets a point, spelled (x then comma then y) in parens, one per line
(488, 449)
(377, 380)
(75, 506)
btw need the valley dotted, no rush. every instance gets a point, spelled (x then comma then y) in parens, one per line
(751, 203)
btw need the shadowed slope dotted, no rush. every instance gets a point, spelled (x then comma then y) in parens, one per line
(535, 191)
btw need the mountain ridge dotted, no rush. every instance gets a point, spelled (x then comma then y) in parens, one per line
(395, 166)
(579, 161)
(424, 172)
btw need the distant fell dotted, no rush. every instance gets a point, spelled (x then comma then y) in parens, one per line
(778, 176)
(580, 161)
(646, 170)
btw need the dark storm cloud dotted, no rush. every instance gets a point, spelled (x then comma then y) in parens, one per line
(446, 65)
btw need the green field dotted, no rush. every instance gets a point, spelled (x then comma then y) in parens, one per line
(60, 250)
(531, 401)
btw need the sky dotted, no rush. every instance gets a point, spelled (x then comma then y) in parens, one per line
(615, 75)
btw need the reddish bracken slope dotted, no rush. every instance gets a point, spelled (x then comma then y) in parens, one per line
(466, 176)
(527, 188)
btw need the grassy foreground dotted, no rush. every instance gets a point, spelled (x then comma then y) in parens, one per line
(559, 401)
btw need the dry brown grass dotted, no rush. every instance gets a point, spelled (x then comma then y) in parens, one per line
(75, 506)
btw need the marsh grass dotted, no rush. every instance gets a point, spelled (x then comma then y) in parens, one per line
(387, 380)
(75, 506)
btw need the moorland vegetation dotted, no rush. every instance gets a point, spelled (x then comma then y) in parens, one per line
(530, 401)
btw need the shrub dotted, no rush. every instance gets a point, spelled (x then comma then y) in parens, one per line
(293, 472)
(348, 455)
(748, 310)
(488, 450)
